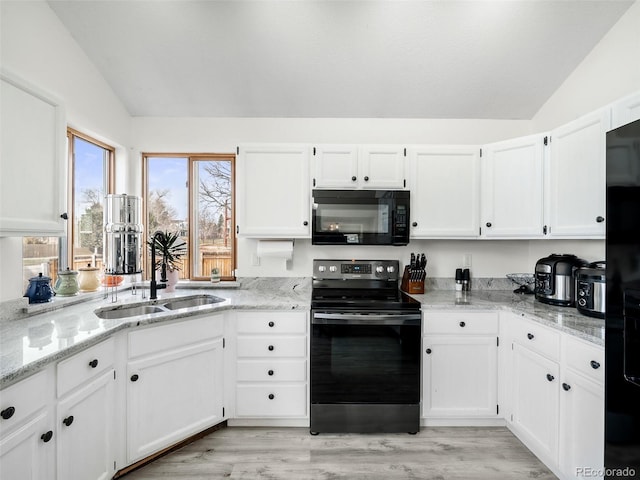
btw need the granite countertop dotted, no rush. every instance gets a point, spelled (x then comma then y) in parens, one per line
(47, 333)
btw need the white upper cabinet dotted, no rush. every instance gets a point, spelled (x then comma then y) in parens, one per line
(359, 167)
(512, 188)
(625, 110)
(32, 160)
(576, 200)
(444, 184)
(273, 192)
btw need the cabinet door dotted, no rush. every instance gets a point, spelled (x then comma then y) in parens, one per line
(512, 188)
(576, 202)
(173, 395)
(460, 376)
(335, 166)
(625, 110)
(535, 402)
(444, 184)
(86, 442)
(32, 160)
(273, 192)
(382, 167)
(581, 425)
(29, 452)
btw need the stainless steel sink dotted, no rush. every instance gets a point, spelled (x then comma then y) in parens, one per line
(126, 312)
(198, 301)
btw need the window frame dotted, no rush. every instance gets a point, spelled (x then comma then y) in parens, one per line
(191, 159)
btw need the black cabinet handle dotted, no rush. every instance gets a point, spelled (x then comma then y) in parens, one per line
(550, 377)
(530, 336)
(366, 179)
(305, 223)
(488, 224)
(64, 216)
(8, 412)
(354, 178)
(462, 324)
(68, 421)
(415, 224)
(270, 347)
(134, 377)
(271, 396)
(272, 324)
(270, 372)
(45, 437)
(599, 219)
(595, 365)
(93, 363)
(428, 351)
(566, 387)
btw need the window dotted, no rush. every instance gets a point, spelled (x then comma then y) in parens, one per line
(91, 175)
(193, 195)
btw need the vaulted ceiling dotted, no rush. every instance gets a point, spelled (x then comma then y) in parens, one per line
(323, 58)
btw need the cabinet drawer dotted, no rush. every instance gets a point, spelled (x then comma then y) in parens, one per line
(583, 357)
(272, 322)
(175, 335)
(249, 346)
(536, 337)
(271, 400)
(84, 366)
(272, 371)
(22, 400)
(460, 323)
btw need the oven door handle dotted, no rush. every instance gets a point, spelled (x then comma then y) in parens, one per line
(366, 319)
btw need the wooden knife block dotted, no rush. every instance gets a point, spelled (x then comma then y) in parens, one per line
(412, 285)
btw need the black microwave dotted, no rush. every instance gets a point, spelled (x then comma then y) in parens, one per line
(360, 217)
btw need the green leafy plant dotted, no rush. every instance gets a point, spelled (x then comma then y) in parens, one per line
(170, 248)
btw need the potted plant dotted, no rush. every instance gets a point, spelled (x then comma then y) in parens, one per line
(170, 248)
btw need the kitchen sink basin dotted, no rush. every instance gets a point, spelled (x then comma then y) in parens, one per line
(128, 311)
(198, 301)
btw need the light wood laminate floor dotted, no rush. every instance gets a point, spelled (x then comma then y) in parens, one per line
(435, 453)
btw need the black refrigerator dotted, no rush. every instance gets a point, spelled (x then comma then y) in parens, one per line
(622, 340)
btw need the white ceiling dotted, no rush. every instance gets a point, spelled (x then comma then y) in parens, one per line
(306, 58)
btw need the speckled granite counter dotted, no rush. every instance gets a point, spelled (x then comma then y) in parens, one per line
(28, 342)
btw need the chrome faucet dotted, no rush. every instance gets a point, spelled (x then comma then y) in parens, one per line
(154, 287)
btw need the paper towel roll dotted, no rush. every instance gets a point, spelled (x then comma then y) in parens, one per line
(275, 248)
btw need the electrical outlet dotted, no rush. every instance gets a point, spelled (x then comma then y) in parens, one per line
(466, 260)
(255, 260)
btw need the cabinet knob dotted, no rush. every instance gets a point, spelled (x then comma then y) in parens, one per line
(272, 324)
(550, 377)
(599, 219)
(488, 224)
(354, 178)
(68, 421)
(134, 377)
(8, 412)
(270, 347)
(270, 372)
(415, 224)
(271, 396)
(366, 179)
(595, 365)
(93, 363)
(305, 223)
(45, 437)
(462, 324)
(64, 216)
(530, 336)
(428, 351)
(566, 387)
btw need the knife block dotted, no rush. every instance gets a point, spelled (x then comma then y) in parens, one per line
(413, 280)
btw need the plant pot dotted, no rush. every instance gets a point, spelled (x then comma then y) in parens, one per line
(172, 280)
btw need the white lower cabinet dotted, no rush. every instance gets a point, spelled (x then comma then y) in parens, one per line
(460, 365)
(175, 382)
(271, 365)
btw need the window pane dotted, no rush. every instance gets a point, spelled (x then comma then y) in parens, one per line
(213, 209)
(168, 200)
(89, 187)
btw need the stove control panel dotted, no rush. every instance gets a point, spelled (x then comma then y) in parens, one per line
(349, 269)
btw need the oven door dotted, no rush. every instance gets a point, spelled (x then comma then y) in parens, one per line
(369, 358)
